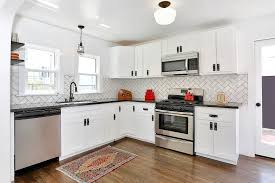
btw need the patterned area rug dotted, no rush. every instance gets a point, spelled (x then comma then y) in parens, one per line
(91, 167)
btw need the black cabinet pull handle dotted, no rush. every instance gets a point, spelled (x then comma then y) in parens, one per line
(211, 125)
(85, 122)
(214, 67)
(132, 73)
(119, 108)
(213, 116)
(145, 109)
(114, 116)
(135, 73)
(88, 122)
(258, 104)
(177, 49)
(218, 67)
(147, 72)
(215, 126)
(134, 108)
(152, 117)
(180, 48)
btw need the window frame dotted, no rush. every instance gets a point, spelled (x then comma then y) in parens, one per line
(97, 73)
(57, 71)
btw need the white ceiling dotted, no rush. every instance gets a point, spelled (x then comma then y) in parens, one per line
(133, 20)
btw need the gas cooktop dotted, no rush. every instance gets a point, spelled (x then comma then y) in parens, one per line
(177, 103)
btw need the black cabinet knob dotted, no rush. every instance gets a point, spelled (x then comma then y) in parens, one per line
(258, 104)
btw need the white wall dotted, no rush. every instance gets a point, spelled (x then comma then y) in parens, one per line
(7, 11)
(251, 31)
(39, 33)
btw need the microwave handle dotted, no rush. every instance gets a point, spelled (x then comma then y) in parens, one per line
(186, 64)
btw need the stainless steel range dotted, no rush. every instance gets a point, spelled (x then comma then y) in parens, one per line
(175, 121)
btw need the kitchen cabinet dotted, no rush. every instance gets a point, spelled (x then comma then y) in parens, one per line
(87, 127)
(142, 125)
(204, 139)
(152, 59)
(138, 71)
(218, 52)
(72, 132)
(137, 61)
(217, 133)
(122, 62)
(180, 44)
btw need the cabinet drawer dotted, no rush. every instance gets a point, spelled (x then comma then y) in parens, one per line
(215, 114)
(145, 108)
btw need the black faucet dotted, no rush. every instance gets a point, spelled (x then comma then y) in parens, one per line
(71, 93)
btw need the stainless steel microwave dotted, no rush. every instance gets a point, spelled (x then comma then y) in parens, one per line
(180, 64)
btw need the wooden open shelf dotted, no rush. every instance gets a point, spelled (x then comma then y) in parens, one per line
(16, 45)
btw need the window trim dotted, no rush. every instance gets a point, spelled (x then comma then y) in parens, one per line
(98, 73)
(57, 71)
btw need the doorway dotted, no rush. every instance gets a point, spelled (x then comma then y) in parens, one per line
(265, 96)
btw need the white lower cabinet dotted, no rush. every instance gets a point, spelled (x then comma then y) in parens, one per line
(217, 133)
(87, 127)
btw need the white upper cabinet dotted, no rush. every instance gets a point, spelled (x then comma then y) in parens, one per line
(208, 53)
(152, 59)
(171, 45)
(227, 50)
(219, 52)
(136, 61)
(122, 62)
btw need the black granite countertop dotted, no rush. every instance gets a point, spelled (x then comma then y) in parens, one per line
(25, 107)
(230, 105)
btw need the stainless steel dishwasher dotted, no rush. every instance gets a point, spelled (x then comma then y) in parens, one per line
(37, 136)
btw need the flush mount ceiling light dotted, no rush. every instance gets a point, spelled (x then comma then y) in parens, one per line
(165, 15)
(80, 49)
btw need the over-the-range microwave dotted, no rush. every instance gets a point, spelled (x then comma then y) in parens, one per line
(180, 64)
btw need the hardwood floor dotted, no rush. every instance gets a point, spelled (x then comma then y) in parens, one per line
(157, 165)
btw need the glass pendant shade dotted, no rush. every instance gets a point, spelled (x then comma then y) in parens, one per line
(80, 48)
(165, 16)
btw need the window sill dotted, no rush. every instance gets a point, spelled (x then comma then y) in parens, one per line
(45, 94)
(85, 93)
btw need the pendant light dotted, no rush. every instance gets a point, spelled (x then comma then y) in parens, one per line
(80, 49)
(165, 15)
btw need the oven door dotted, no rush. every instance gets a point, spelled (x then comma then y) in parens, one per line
(174, 124)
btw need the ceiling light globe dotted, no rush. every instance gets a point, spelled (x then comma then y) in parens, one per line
(165, 16)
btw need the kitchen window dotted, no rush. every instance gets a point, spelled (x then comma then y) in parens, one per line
(42, 73)
(88, 74)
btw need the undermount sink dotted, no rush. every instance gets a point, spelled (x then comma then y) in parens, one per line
(76, 102)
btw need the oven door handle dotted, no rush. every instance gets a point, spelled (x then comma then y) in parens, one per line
(174, 113)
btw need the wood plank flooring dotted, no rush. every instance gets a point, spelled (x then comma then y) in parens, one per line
(158, 165)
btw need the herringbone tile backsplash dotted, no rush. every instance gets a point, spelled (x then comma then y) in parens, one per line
(234, 86)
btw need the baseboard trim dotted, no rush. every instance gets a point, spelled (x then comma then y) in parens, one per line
(70, 157)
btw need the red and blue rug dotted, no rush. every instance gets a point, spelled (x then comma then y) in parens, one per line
(93, 166)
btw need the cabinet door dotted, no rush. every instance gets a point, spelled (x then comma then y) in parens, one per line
(170, 45)
(122, 62)
(204, 137)
(225, 141)
(145, 127)
(127, 119)
(190, 43)
(208, 53)
(138, 61)
(227, 50)
(72, 133)
(95, 131)
(152, 59)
